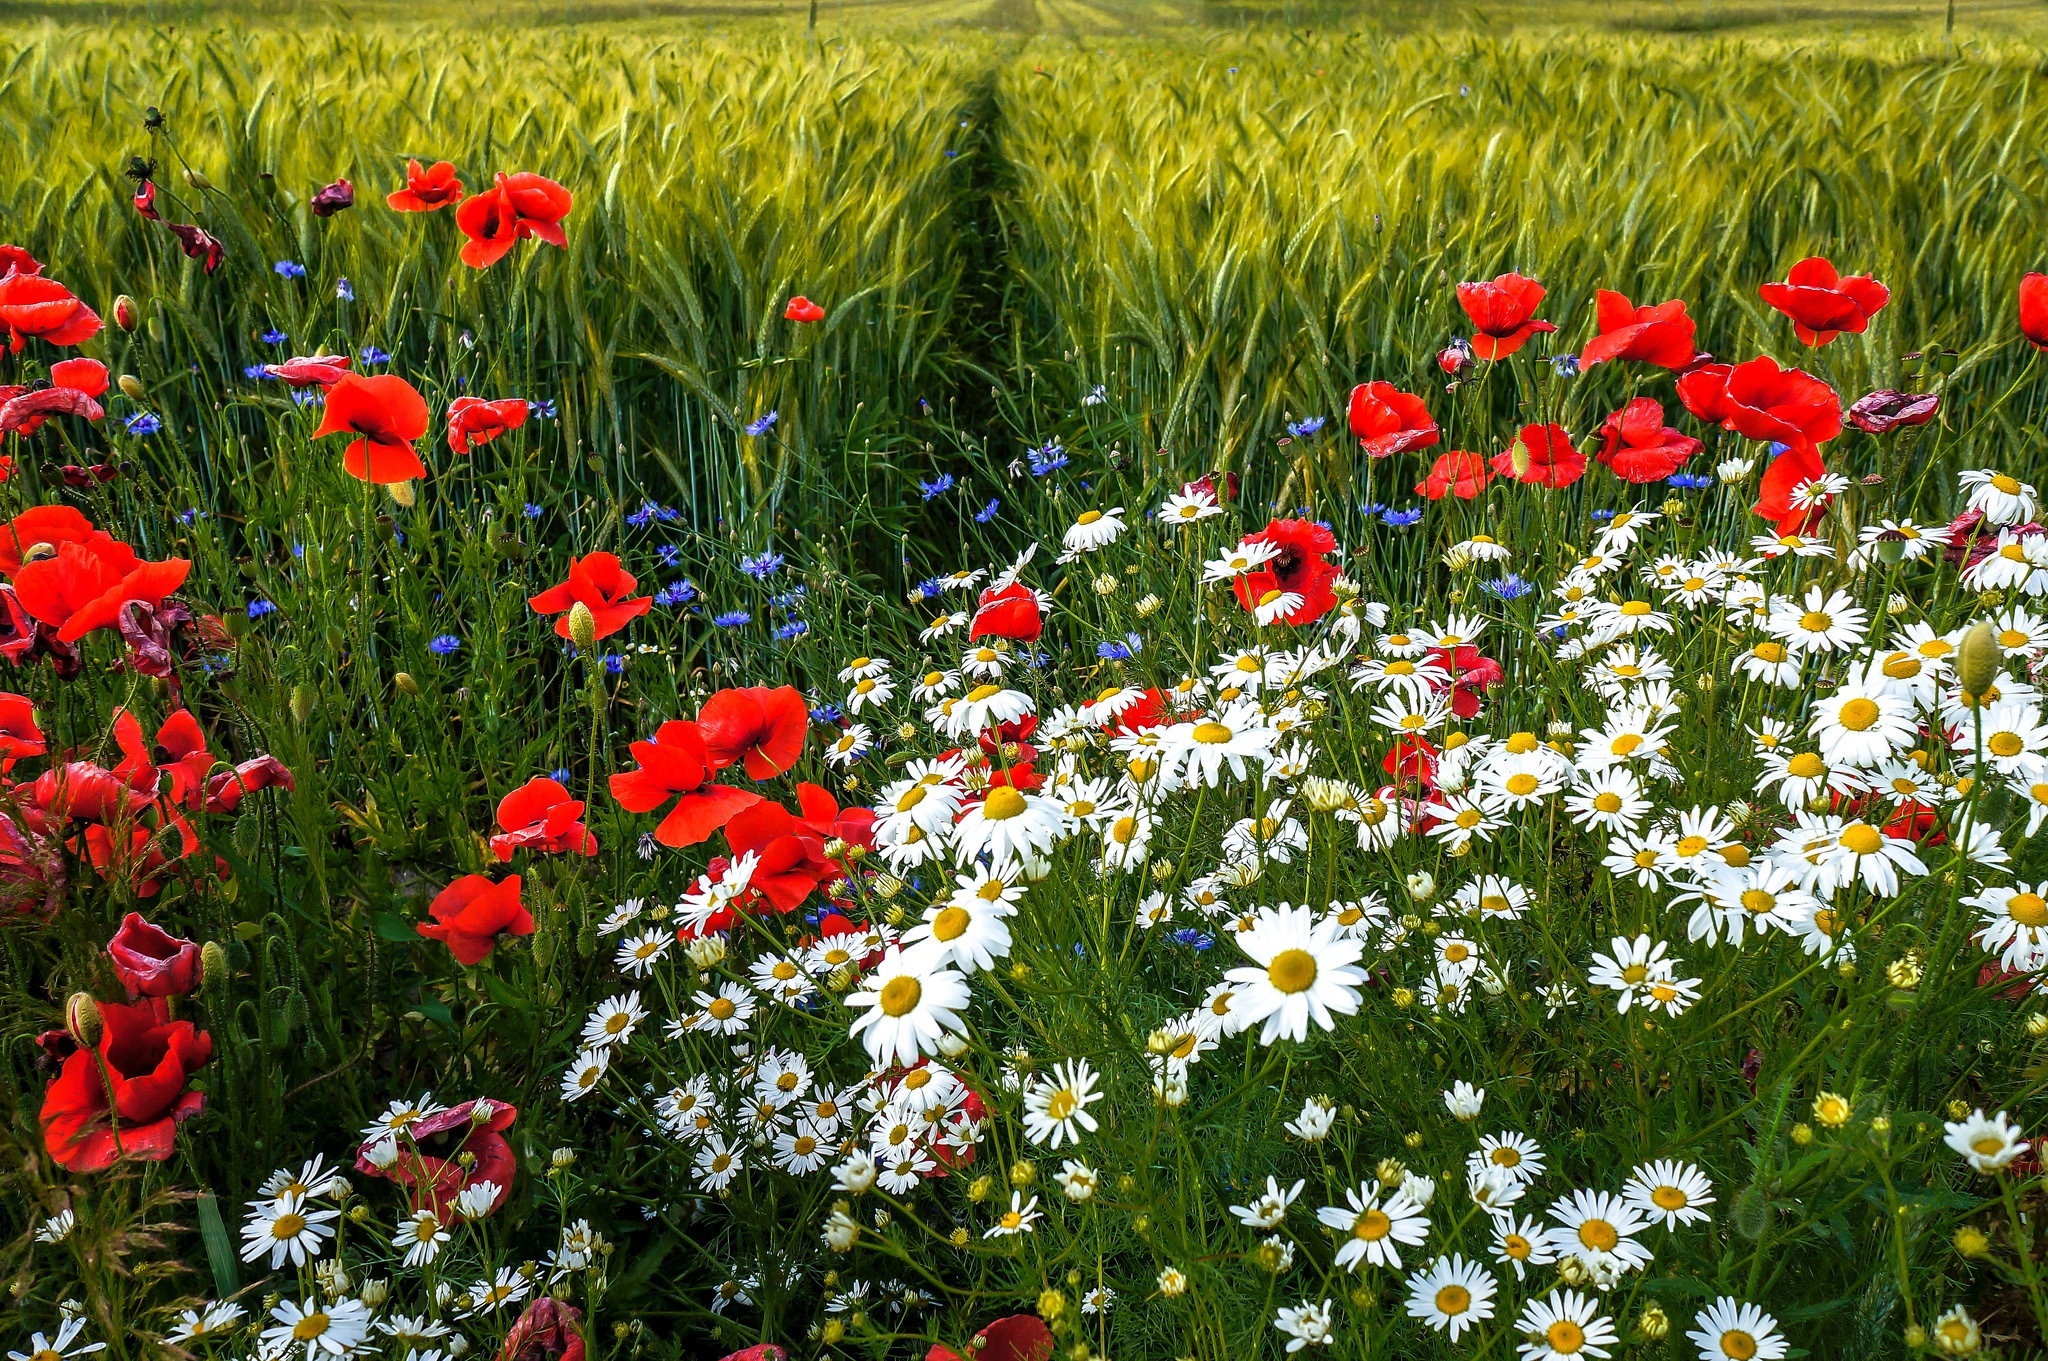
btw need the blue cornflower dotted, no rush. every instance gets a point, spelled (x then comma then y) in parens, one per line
(541, 411)
(1509, 587)
(681, 593)
(307, 397)
(795, 628)
(951, 153)
(1565, 365)
(789, 600)
(256, 371)
(1602, 516)
(762, 565)
(1372, 508)
(191, 517)
(763, 424)
(344, 290)
(561, 775)
(143, 423)
(827, 714)
(644, 516)
(614, 664)
(732, 619)
(1199, 940)
(930, 589)
(1097, 395)
(1048, 459)
(299, 550)
(1777, 448)
(1304, 427)
(1690, 481)
(373, 355)
(987, 512)
(532, 511)
(938, 486)
(273, 336)
(289, 269)
(260, 607)
(670, 554)
(1401, 519)
(1112, 651)
(444, 645)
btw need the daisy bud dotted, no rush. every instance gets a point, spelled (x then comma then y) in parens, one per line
(582, 626)
(1051, 1304)
(1023, 1172)
(1422, 886)
(126, 315)
(979, 1189)
(1654, 1324)
(82, 1019)
(1971, 1242)
(213, 963)
(1148, 606)
(1390, 1172)
(1978, 660)
(2037, 1024)
(1831, 1110)
(132, 388)
(562, 1157)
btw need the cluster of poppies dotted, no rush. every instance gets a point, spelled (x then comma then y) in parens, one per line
(384, 416)
(1788, 408)
(515, 207)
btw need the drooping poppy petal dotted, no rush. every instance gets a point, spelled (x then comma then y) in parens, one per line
(802, 309)
(313, 370)
(1822, 303)
(1638, 447)
(33, 307)
(2033, 301)
(1012, 611)
(757, 726)
(1459, 473)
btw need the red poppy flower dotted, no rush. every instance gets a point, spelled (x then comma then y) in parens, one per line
(19, 735)
(1012, 611)
(84, 586)
(516, 207)
(1798, 465)
(1389, 421)
(1553, 460)
(1217, 485)
(547, 1330)
(600, 584)
(1303, 568)
(821, 816)
(677, 765)
(1823, 303)
(138, 851)
(386, 414)
(1883, 411)
(446, 1153)
(1020, 1337)
(2034, 309)
(85, 792)
(151, 962)
(180, 751)
(145, 201)
(792, 861)
(1637, 446)
(146, 1061)
(32, 306)
(74, 386)
(1472, 675)
(1503, 314)
(224, 792)
(15, 260)
(802, 309)
(426, 190)
(1660, 335)
(471, 913)
(473, 421)
(198, 244)
(540, 816)
(1761, 401)
(760, 1351)
(313, 370)
(1459, 473)
(37, 532)
(761, 727)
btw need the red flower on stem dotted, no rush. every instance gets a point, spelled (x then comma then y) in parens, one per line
(151, 962)
(1638, 447)
(1552, 460)
(125, 1097)
(1761, 401)
(1503, 314)
(444, 1154)
(1660, 335)
(471, 913)
(75, 386)
(1020, 1337)
(19, 735)
(1303, 568)
(145, 201)
(1459, 473)
(16, 260)
(1798, 465)
(792, 861)
(180, 751)
(802, 309)
(1823, 303)
(757, 726)
(385, 414)
(427, 190)
(1389, 421)
(38, 531)
(1886, 410)
(676, 765)
(597, 582)
(547, 1330)
(1012, 611)
(540, 816)
(197, 244)
(474, 421)
(332, 199)
(32, 307)
(84, 586)
(516, 207)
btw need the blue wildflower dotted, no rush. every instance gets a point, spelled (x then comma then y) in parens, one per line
(256, 371)
(938, 486)
(763, 424)
(795, 628)
(1112, 651)
(307, 397)
(541, 411)
(1401, 519)
(143, 423)
(191, 517)
(827, 714)
(670, 554)
(762, 565)
(1050, 458)
(789, 600)
(532, 511)
(1509, 587)
(1602, 516)
(614, 664)
(445, 645)
(1304, 427)
(289, 269)
(987, 512)
(373, 355)
(1565, 365)
(732, 619)
(260, 607)
(561, 775)
(344, 290)
(930, 589)
(681, 593)
(1197, 940)
(273, 336)
(1097, 395)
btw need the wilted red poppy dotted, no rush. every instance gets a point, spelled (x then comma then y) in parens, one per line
(1552, 459)
(676, 765)
(311, 370)
(2034, 309)
(198, 244)
(75, 384)
(471, 913)
(386, 414)
(549, 1330)
(540, 816)
(516, 207)
(34, 307)
(803, 309)
(1799, 464)
(1011, 611)
(1503, 314)
(1823, 303)
(1303, 568)
(1761, 401)
(19, 735)
(1660, 335)
(151, 962)
(1389, 421)
(598, 582)
(426, 190)
(1459, 473)
(15, 260)
(225, 791)
(145, 1061)
(1883, 411)
(754, 725)
(1020, 1337)
(83, 586)
(791, 861)
(1637, 446)
(145, 200)
(474, 421)
(138, 852)
(332, 199)
(448, 1152)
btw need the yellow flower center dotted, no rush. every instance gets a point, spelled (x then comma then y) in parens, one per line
(1669, 1198)
(1816, 621)
(783, 971)
(1089, 517)
(1607, 801)
(1988, 1145)
(1626, 744)
(1758, 900)
(1806, 765)
(616, 1022)
(2028, 909)
(721, 1009)
(1212, 734)
(1635, 609)
(1565, 1337)
(1862, 838)
(1517, 1247)
(2005, 744)
(1690, 846)
(1521, 783)
(1493, 902)
(309, 1327)
(1062, 1105)
(1002, 803)
(1124, 830)
(950, 924)
(1858, 714)
(900, 995)
(1598, 1235)
(1768, 652)
(1292, 971)
(1738, 1345)
(2006, 483)
(287, 1226)
(1371, 1226)
(1453, 1299)
(982, 692)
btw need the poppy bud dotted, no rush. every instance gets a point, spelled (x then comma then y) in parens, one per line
(582, 626)
(1455, 357)
(126, 315)
(196, 179)
(402, 492)
(82, 1019)
(302, 702)
(1519, 459)
(1978, 660)
(131, 387)
(405, 683)
(213, 963)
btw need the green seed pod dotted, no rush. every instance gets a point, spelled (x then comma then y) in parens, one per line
(197, 179)
(132, 388)
(405, 683)
(1978, 660)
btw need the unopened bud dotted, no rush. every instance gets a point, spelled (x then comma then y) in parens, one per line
(196, 179)
(1978, 660)
(1518, 458)
(213, 964)
(582, 626)
(302, 703)
(127, 315)
(404, 493)
(82, 1019)
(405, 683)
(131, 387)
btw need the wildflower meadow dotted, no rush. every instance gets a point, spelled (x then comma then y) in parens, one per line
(974, 694)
